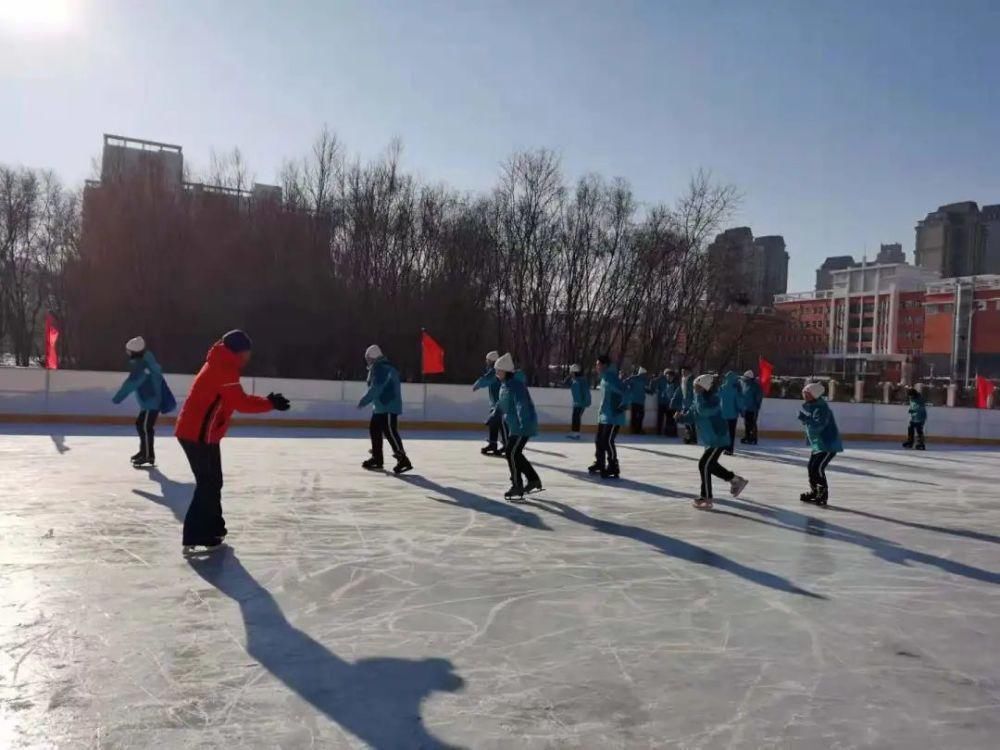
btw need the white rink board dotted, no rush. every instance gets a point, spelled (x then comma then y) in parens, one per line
(358, 610)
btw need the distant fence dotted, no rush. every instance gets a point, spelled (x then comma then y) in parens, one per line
(68, 396)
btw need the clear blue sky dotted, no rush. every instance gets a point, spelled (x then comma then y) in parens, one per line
(843, 123)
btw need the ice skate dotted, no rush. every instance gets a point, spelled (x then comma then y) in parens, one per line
(573, 436)
(908, 444)
(920, 446)
(533, 486)
(808, 497)
(136, 457)
(372, 465)
(491, 450)
(402, 466)
(595, 468)
(703, 503)
(515, 493)
(737, 485)
(143, 462)
(189, 550)
(728, 451)
(611, 472)
(822, 495)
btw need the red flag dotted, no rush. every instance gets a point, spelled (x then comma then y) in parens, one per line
(51, 337)
(766, 371)
(433, 355)
(984, 389)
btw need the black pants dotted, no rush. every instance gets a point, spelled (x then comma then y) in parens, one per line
(577, 414)
(387, 426)
(496, 426)
(520, 466)
(817, 468)
(204, 523)
(665, 423)
(732, 433)
(915, 428)
(145, 425)
(607, 451)
(750, 426)
(709, 465)
(638, 415)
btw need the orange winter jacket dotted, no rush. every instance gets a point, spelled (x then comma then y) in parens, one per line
(215, 394)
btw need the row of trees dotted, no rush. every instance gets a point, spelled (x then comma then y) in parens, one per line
(355, 252)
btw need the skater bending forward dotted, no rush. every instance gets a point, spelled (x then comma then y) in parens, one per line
(385, 395)
(610, 420)
(824, 439)
(145, 380)
(705, 413)
(204, 419)
(522, 424)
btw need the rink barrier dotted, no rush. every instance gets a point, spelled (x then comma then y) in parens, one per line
(30, 395)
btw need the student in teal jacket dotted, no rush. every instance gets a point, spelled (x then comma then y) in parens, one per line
(145, 380)
(385, 394)
(705, 412)
(824, 439)
(918, 418)
(522, 423)
(580, 392)
(637, 385)
(614, 403)
(730, 397)
(494, 422)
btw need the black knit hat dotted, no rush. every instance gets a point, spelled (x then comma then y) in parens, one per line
(237, 341)
(604, 359)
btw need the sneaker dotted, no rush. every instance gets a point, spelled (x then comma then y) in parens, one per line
(703, 503)
(372, 465)
(402, 466)
(516, 491)
(737, 485)
(533, 486)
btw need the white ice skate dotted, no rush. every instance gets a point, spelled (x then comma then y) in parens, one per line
(737, 485)
(192, 550)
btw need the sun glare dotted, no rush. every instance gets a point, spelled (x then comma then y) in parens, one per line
(37, 16)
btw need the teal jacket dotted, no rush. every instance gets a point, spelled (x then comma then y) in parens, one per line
(918, 410)
(671, 396)
(489, 380)
(752, 395)
(580, 389)
(613, 399)
(730, 396)
(637, 385)
(517, 407)
(705, 413)
(384, 391)
(145, 379)
(821, 427)
(687, 391)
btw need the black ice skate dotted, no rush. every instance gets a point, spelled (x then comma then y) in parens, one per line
(808, 497)
(490, 450)
(612, 472)
(402, 466)
(515, 493)
(372, 465)
(137, 456)
(144, 461)
(533, 486)
(596, 468)
(822, 495)
(908, 444)
(920, 446)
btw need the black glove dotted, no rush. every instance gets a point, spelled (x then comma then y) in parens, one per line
(279, 402)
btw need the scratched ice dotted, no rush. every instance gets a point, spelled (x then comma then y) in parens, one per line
(358, 610)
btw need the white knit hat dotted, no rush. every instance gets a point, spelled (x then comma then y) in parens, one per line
(492, 356)
(749, 374)
(575, 368)
(814, 389)
(641, 371)
(135, 345)
(705, 381)
(373, 352)
(667, 371)
(504, 363)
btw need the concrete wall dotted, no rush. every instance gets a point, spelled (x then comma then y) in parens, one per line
(79, 396)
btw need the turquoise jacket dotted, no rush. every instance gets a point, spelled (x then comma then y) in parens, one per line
(384, 391)
(687, 391)
(145, 379)
(580, 389)
(730, 396)
(656, 387)
(489, 380)
(821, 427)
(705, 413)
(613, 399)
(752, 395)
(918, 410)
(672, 397)
(637, 385)
(517, 407)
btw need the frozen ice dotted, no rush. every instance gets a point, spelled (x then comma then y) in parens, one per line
(359, 610)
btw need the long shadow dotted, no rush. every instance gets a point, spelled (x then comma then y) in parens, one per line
(377, 700)
(884, 549)
(547, 453)
(657, 453)
(801, 462)
(981, 536)
(621, 482)
(174, 496)
(59, 441)
(460, 498)
(674, 547)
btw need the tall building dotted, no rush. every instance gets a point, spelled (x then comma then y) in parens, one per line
(749, 271)
(954, 241)
(962, 331)
(890, 253)
(824, 274)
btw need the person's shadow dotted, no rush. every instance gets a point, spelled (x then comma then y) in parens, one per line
(460, 498)
(618, 482)
(377, 700)
(674, 547)
(176, 496)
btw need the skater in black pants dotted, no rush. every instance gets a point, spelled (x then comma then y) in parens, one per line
(824, 439)
(918, 417)
(215, 394)
(145, 379)
(636, 387)
(522, 420)
(494, 422)
(751, 399)
(385, 395)
(614, 402)
(687, 399)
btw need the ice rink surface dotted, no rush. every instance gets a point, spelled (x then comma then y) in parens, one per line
(359, 610)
